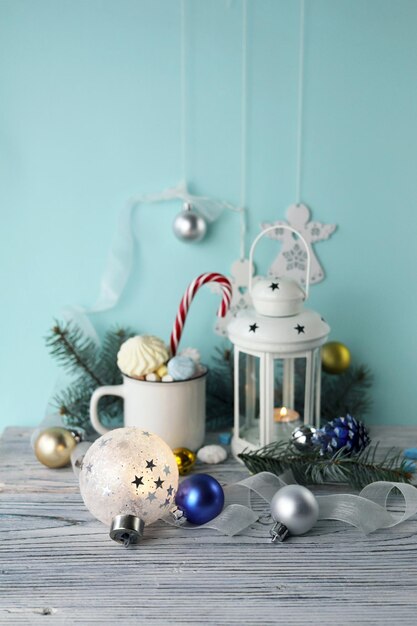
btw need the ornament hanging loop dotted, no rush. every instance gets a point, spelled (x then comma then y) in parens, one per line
(299, 235)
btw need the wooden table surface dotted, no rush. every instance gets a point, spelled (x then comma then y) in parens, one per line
(58, 565)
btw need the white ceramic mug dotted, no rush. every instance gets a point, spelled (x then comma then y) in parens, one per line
(176, 411)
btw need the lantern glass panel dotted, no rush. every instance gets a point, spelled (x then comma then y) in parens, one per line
(249, 398)
(289, 377)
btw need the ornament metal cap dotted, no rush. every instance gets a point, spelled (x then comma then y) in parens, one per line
(78, 434)
(279, 532)
(127, 529)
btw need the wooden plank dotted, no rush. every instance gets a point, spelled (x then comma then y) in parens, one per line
(58, 564)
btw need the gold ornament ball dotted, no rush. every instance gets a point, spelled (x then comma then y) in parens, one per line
(185, 460)
(335, 357)
(53, 447)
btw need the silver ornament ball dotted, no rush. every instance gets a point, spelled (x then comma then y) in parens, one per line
(295, 511)
(303, 438)
(189, 225)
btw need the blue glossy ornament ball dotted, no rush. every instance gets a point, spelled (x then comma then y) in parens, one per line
(200, 497)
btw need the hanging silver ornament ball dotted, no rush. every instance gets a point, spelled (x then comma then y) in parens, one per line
(304, 437)
(295, 511)
(189, 225)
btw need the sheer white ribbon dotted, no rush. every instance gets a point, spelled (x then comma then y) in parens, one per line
(367, 511)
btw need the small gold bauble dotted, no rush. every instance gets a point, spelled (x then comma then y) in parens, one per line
(53, 446)
(185, 460)
(335, 357)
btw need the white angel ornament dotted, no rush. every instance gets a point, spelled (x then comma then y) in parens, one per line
(292, 256)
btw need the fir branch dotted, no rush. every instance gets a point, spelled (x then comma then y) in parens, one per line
(73, 404)
(346, 393)
(107, 363)
(357, 470)
(220, 396)
(95, 367)
(73, 351)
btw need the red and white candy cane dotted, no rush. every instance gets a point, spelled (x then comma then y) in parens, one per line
(211, 277)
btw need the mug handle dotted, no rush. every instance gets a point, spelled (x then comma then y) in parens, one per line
(107, 390)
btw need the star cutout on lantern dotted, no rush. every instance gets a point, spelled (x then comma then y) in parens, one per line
(106, 491)
(159, 482)
(274, 286)
(145, 433)
(137, 481)
(166, 470)
(299, 328)
(253, 327)
(164, 504)
(170, 490)
(150, 465)
(104, 442)
(89, 467)
(151, 497)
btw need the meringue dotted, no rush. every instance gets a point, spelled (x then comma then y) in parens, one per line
(212, 454)
(181, 367)
(141, 355)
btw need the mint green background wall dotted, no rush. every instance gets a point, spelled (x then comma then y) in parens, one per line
(89, 115)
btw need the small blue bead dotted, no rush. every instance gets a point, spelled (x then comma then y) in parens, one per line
(225, 438)
(410, 453)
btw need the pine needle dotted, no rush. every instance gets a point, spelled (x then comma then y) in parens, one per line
(73, 351)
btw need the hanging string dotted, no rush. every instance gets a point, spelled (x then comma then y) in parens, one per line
(243, 127)
(183, 122)
(300, 104)
(183, 95)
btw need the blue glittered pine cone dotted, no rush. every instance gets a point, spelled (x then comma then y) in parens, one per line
(343, 432)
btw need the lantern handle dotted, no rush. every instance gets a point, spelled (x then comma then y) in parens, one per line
(285, 227)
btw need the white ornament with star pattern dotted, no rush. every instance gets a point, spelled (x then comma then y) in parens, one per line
(128, 474)
(292, 256)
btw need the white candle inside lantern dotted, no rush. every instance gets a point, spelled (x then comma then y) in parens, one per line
(282, 414)
(285, 420)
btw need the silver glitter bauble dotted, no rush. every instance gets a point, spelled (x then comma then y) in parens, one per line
(295, 511)
(304, 437)
(189, 225)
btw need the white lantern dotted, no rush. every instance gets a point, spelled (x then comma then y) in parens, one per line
(268, 339)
